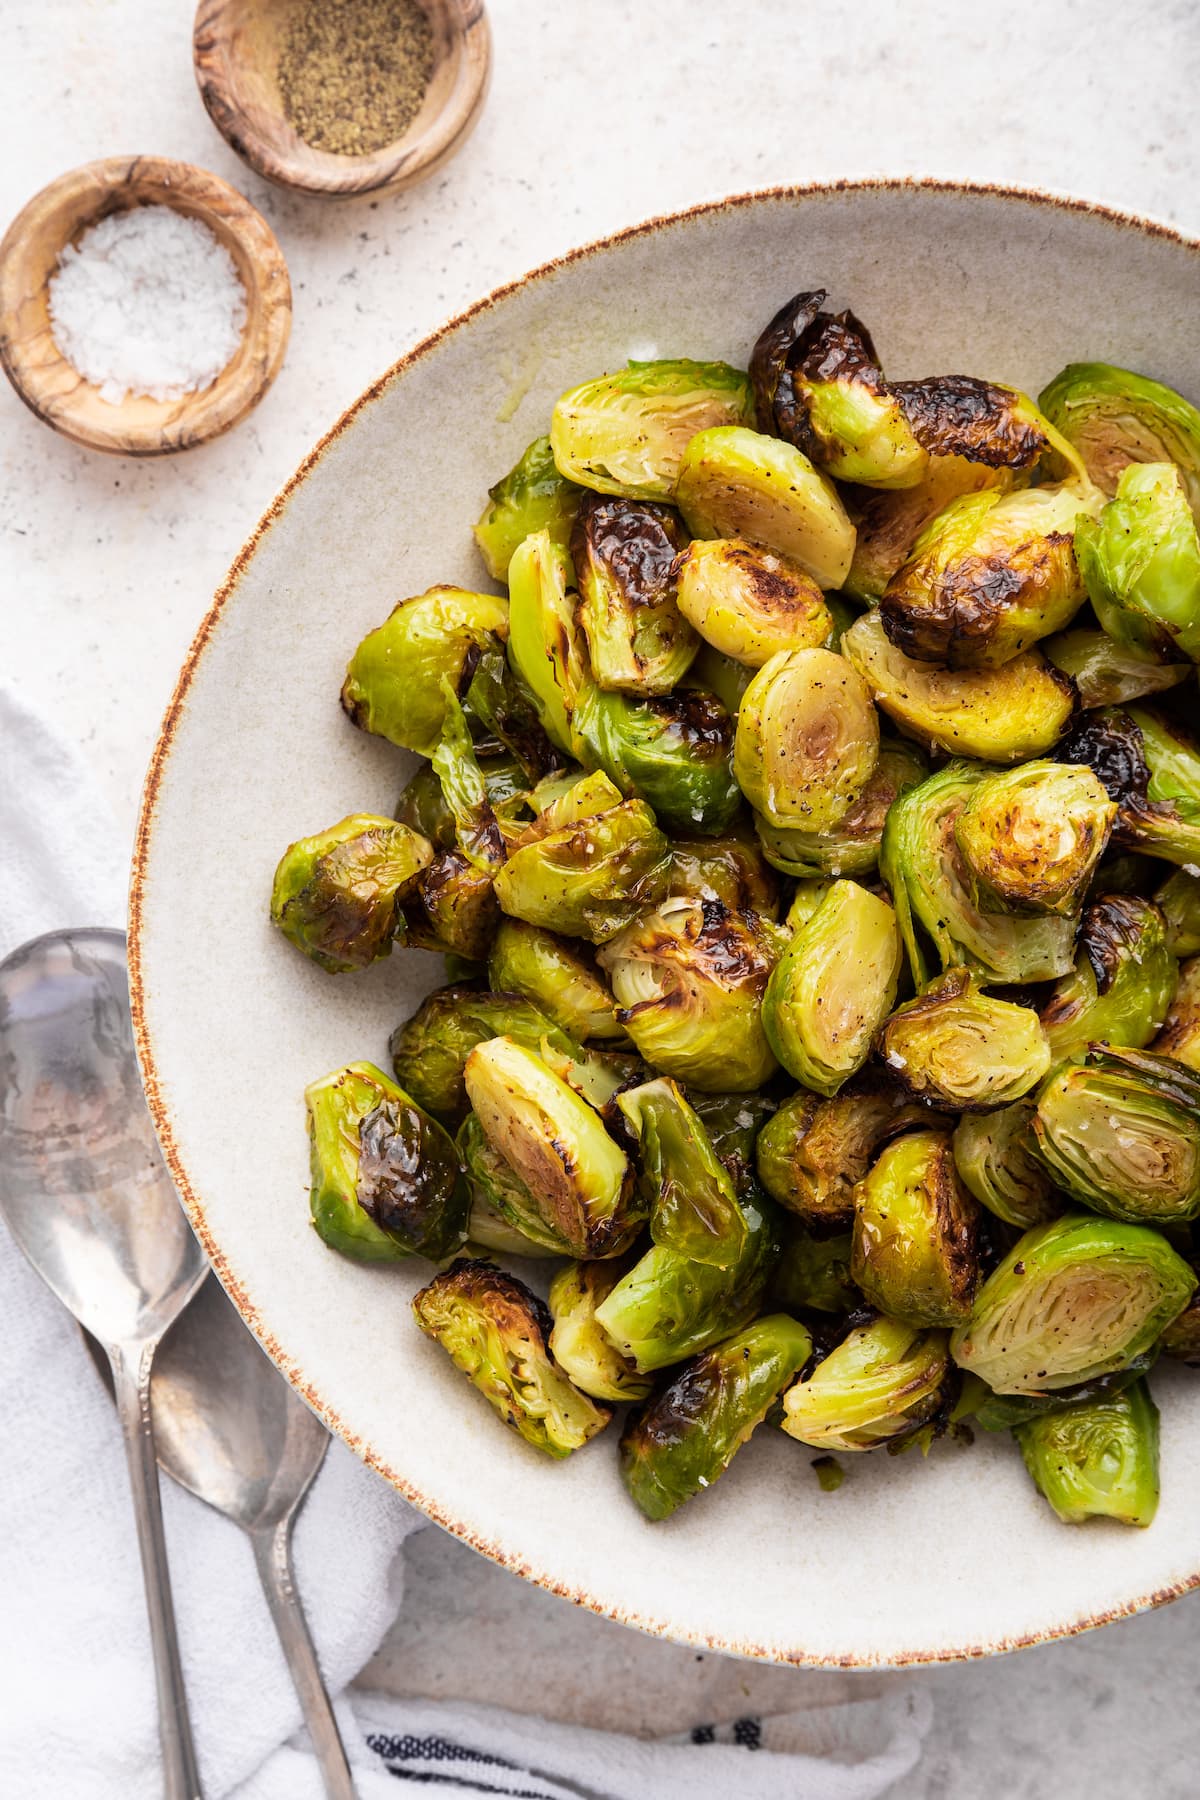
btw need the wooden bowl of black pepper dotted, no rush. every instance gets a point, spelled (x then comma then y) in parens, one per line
(343, 97)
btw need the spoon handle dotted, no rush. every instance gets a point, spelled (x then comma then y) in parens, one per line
(131, 1381)
(273, 1554)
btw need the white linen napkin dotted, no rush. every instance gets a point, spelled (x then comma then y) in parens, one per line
(78, 1714)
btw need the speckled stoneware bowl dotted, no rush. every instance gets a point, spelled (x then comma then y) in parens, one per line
(912, 1560)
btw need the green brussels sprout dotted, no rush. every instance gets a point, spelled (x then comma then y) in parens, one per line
(1120, 1133)
(737, 483)
(812, 1152)
(748, 603)
(733, 1122)
(558, 976)
(545, 647)
(579, 1346)
(422, 804)
(921, 862)
(456, 910)
(1180, 1035)
(624, 554)
(1151, 769)
(496, 1331)
(1098, 1460)
(806, 898)
(1106, 673)
(580, 1180)
(889, 522)
(731, 869)
(589, 878)
(687, 1436)
(881, 1383)
(393, 684)
(1121, 986)
(689, 979)
(915, 1248)
(851, 847)
(693, 1206)
(533, 496)
(714, 673)
(962, 1048)
(464, 789)
(385, 1176)
(1179, 902)
(1031, 837)
(675, 753)
(807, 739)
(995, 1156)
(1072, 1300)
(1004, 1412)
(626, 433)
(833, 987)
(496, 1185)
(1003, 715)
(1140, 561)
(429, 1050)
(338, 895)
(813, 1273)
(504, 721)
(1114, 417)
(565, 798)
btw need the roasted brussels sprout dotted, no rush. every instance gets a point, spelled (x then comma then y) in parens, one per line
(1114, 417)
(624, 553)
(915, 1252)
(731, 869)
(813, 1273)
(1140, 561)
(589, 878)
(690, 1194)
(455, 910)
(385, 1177)
(995, 1155)
(465, 791)
(1098, 1459)
(338, 895)
(489, 1232)
(833, 987)
(1122, 1133)
(393, 684)
(422, 805)
(558, 976)
(1072, 1300)
(812, 1152)
(737, 483)
(851, 847)
(577, 1342)
(1031, 837)
(963, 1048)
(1004, 1412)
(748, 603)
(1121, 985)
(545, 647)
(675, 753)
(533, 496)
(1180, 1035)
(688, 1435)
(1151, 769)
(889, 522)
(689, 978)
(1179, 902)
(733, 1122)
(1003, 715)
(495, 1184)
(807, 739)
(881, 1382)
(959, 415)
(429, 1050)
(1106, 673)
(626, 433)
(496, 1331)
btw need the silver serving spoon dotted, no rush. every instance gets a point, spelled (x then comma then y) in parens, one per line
(88, 1199)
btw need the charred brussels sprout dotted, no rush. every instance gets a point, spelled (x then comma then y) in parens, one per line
(393, 684)
(533, 496)
(1114, 417)
(1071, 1301)
(1122, 1133)
(578, 1344)
(807, 739)
(337, 896)
(544, 645)
(626, 433)
(888, 523)
(429, 1051)
(749, 604)
(624, 553)
(1180, 1035)
(916, 1233)
(813, 1273)
(833, 987)
(1121, 985)
(851, 847)
(1106, 673)
(558, 976)
(995, 1156)
(733, 1122)
(1179, 902)
(495, 1330)
(690, 980)
(693, 1206)
(456, 910)
(1031, 837)
(730, 869)
(688, 1435)
(588, 878)
(1141, 562)
(1098, 1459)
(496, 1185)
(812, 1152)
(1151, 769)
(1003, 715)
(422, 804)
(881, 1382)
(964, 1049)
(675, 753)
(737, 483)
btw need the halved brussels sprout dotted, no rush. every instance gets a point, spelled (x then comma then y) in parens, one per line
(688, 1435)
(1031, 837)
(693, 1206)
(533, 496)
(715, 674)
(626, 433)
(959, 415)
(580, 1180)
(1151, 768)
(881, 1382)
(393, 684)
(812, 1152)
(962, 1048)
(1121, 1133)
(888, 523)
(851, 847)
(915, 1252)
(1003, 715)
(813, 1273)
(749, 604)
(577, 1342)
(737, 483)
(675, 753)
(1106, 673)
(429, 1050)
(1098, 1460)
(337, 896)
(833, 987)
(422, 805)
(1114, 417)
(807, 739)
(689, 978)
(385, 1177)
(1072, 1300)
(1141, 562)
(545, 646)
(558, 975)
(1121, 986)
(1179, 902)
(498, 1186)
(624, 555)
(455, 910)
(731, 869)
(590, 878)
(1180, 1035)
(995, 1155)
(496, 1331)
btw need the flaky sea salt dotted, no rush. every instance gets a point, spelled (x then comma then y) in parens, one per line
(147, 302)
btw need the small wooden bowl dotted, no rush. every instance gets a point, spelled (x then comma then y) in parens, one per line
(52, 388)
(236, 45)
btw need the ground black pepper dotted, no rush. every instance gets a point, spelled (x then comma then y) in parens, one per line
(353, 73)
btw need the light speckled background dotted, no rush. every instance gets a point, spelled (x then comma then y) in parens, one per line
(601, 112)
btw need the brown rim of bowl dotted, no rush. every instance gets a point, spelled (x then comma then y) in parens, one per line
(496, 1552)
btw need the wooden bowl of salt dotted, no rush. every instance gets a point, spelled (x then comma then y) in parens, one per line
(145, 305)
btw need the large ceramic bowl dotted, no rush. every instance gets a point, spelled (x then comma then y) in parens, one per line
(913, 1559)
